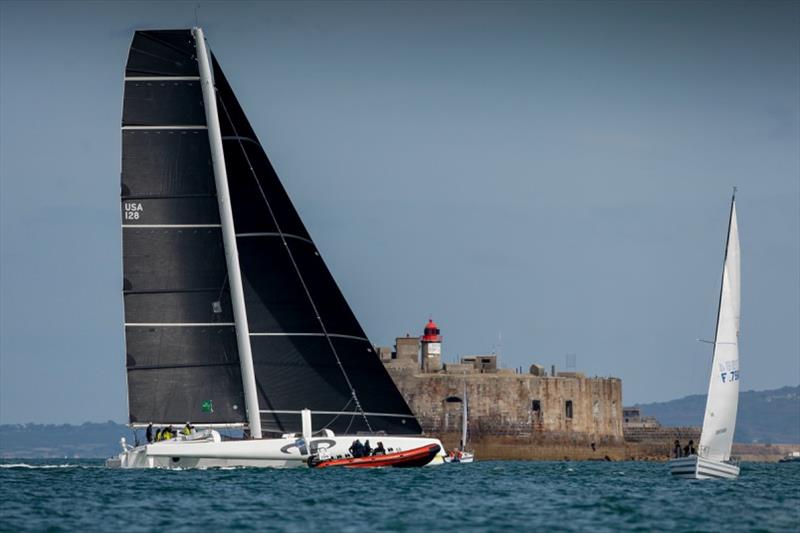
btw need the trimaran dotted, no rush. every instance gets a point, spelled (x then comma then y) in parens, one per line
(232, 319)
(713, 457)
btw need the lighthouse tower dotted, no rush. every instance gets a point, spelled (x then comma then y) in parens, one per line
(431, 348)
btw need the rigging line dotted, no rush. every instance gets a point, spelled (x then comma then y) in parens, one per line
(296, 268)
(222, 288)
(149, 35)
(347, 429)
(331, 421)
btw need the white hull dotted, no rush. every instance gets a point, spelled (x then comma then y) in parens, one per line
(465, 458)
(207, 450)
(695, 467)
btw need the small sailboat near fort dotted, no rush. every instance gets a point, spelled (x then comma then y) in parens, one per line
(232, 319)
(461, 455)
(713, 457)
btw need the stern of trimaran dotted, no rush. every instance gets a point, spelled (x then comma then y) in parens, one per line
(713, 458)
(232, 319)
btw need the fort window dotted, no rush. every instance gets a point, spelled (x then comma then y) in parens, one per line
(536, 406)
(568, 408)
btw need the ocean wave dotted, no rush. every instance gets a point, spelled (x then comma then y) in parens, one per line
(26, 465)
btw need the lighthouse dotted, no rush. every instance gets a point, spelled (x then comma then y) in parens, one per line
(431, 348)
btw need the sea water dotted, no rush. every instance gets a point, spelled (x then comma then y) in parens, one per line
(483, 496)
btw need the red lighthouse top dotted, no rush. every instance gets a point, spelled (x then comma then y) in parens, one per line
(431, 332)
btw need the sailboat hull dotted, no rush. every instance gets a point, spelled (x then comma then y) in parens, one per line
(465, 458)
(212, 452)
(695, 467)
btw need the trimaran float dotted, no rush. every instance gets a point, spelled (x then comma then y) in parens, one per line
(232, 319)
(713, 457)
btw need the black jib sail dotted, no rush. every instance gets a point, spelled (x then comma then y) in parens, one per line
(182, 359)
(309, 351)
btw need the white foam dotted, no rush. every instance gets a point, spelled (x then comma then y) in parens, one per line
(26, 465)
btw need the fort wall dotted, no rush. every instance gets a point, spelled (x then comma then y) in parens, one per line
(517, 416)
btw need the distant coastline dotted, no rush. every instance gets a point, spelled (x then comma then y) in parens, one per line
(768, 427)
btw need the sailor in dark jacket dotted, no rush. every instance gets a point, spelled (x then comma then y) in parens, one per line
(692, 451)
(367, 451)
(676, 450)
(356, 449)
(149, 433)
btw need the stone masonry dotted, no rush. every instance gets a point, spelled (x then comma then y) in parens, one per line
(512, 415)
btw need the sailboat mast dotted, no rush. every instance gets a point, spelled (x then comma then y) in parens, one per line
(464, 419)
(229, 237)
(724, 262)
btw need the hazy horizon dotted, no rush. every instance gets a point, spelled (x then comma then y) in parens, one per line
(558, 173)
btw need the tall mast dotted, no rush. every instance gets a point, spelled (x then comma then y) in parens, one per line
(229, 237)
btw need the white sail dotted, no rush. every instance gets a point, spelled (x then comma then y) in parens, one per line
(723, 388)
(464, 420)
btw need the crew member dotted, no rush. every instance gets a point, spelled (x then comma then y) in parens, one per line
(379, 449)
(367, 449)
(356, 448)
(149, 433)
(676, 450)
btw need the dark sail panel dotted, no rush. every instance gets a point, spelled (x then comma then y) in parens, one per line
(303, 333)
(296, 372)
(166, 163)
(171, 210)
(274, 297)
(173, 257)
(177, 306)
(175, 395)
(250, 215)
(162, 53)
(176, 370)
(156, 103)
(182, 357)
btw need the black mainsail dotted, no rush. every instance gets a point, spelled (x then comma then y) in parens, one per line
(182, 359)
(308, 349)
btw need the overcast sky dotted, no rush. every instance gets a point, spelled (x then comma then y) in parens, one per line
(558, 173)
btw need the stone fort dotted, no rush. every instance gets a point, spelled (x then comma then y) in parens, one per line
(511, 414)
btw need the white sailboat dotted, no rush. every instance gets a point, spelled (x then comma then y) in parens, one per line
(713, 457)
(232, 319)
(462, 456)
